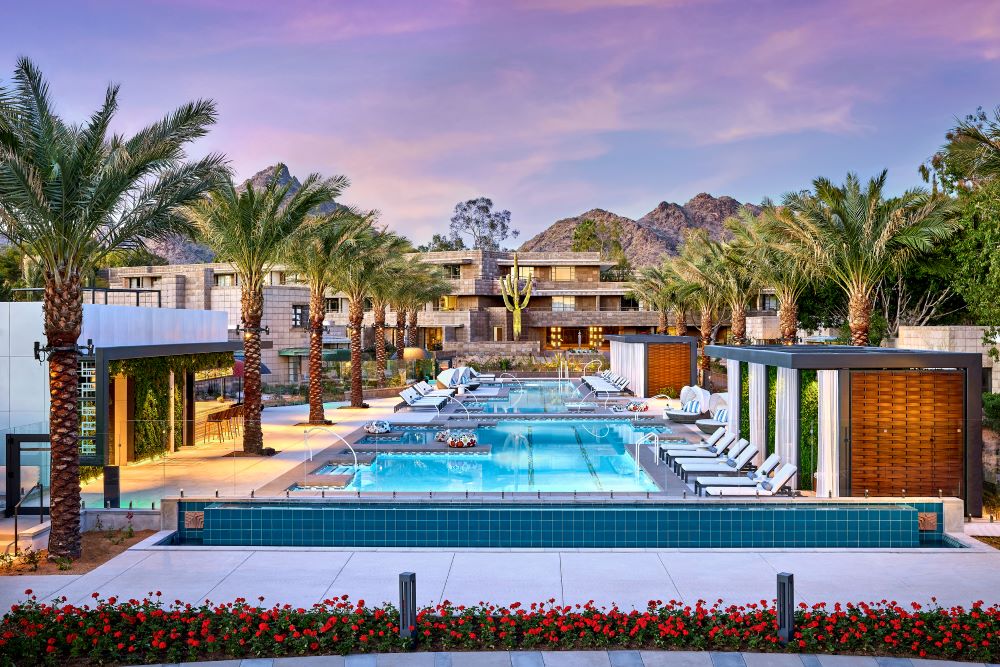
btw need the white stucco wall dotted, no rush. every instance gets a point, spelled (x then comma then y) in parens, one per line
(24, 396)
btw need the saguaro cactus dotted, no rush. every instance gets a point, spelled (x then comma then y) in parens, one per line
(514, 296)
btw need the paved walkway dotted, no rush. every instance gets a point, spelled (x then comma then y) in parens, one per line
(584, 659)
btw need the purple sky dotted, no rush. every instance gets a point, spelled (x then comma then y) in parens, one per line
(550, 107)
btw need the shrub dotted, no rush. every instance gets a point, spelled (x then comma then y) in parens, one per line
(991, 411)
(146, 631)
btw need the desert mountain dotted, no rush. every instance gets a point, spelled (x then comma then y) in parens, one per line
(645, 240)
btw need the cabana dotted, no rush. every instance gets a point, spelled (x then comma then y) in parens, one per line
(653, 363)
(860, 421)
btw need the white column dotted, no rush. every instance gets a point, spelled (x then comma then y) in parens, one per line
(828, 457)
(758, 410)
(735, 389)
(786, 432)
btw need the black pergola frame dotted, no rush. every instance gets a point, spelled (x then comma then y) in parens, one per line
(845, 358)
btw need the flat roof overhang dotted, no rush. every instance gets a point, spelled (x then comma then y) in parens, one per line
(527, 261)
(166, 350)
(829, 357)
(648, 339)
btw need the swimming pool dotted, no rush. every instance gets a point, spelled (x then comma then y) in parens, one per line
(515, 455)
(527, 397)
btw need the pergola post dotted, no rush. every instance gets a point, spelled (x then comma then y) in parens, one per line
(786, 418)
(734, 386)
(758, 410)
(828, 456)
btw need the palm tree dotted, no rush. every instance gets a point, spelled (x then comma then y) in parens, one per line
(972, 154)
(250, 228)
(431, 285)
(69, 196)
(858, 237)
(736, 283)
(372, 253)
(657, 287)
(312, 254)
(383, 287)
(774, 263)
(695, 269)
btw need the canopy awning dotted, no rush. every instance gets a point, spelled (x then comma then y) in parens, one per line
(238, 366)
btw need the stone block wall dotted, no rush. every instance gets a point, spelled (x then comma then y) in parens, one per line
(950, 339)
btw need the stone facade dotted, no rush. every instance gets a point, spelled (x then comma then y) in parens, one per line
(952, 339)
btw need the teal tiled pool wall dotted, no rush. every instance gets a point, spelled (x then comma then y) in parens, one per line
(580, 525)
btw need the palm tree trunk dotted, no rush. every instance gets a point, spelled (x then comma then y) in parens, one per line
(316, 307)
(252, 303)
(663, 326)
(63, 308)
(411, 329)
(788, 322)
(380, 356)
(355, 319)
(399, 336)
(738, 328)
(859, 316)
(706, 339)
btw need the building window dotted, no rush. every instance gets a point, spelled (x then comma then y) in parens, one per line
(333, 305)
(629, 303)
(154, 282)
(564, 303)
(448, 302)
(300, 316)
(368, 305)
(135, 283)
(768, 302)
(497, 334)
(523, 272)
(294, 365)
(226, 280)
(453, 271)
(595, 336)
(562, 273)
(555, 336)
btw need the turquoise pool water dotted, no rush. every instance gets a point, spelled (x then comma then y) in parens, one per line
(530, 397)
(523, 455)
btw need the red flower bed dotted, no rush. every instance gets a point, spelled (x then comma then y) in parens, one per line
(145, 631)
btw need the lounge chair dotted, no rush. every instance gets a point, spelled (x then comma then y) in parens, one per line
(415, 401)
(750, 479)
(694, 406)
(705, 456)
(684, 449)
(609, 384)
(767, 487)
(689, 470)
(482, 377)
(718, 406)
(426, 389)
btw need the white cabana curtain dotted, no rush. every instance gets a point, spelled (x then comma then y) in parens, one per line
(786, 433)
(735, 395)
(828, 459)
(758, 410)
(629, 361)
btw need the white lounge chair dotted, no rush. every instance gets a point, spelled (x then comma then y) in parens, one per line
(750, 479)
(417, 402)
(685, 449)
(731, 452)
(718, 406)
(689, 470)
(694, 406)
(482, 377)
(426, 389)
(767, 487)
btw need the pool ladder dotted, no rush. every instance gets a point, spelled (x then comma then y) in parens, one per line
(655, 437)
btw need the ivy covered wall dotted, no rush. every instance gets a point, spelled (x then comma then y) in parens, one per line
(808, 427)
(152, 395)
(744, 400)
(772, 407)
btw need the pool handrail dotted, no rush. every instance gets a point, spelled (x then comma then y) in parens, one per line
(305, 436)
(520, 386)
(656, 439)
(468, 415)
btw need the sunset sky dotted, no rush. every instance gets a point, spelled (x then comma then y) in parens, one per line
(550, 107)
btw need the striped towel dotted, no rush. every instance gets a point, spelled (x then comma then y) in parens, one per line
(693, 407)
(722, 415)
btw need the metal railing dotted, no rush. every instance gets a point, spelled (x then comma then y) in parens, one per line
(17, 509)
(32, 292)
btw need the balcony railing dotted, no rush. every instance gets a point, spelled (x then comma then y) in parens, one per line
(115, 296)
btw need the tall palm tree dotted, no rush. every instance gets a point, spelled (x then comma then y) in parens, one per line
(371, 255)
(736, 283)
(776, 265)
(858, 237)
(250, 228)
(972, 154)
(657, 287)
(316, 248)
(383, 288)
(431, 285)
(695, 268)
(69, 196)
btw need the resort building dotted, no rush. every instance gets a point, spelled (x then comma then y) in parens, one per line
(574, 303)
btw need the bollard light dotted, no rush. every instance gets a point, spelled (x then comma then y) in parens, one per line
(182, 493)
(251, 493)
(408, 605)
(216, 493)
(866, 493)
(130, 504)
(786, 607)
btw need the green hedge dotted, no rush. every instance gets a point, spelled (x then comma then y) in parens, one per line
(808, 427)
(991, 411)
(744, 400)
(152, 395)
(772, 408)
